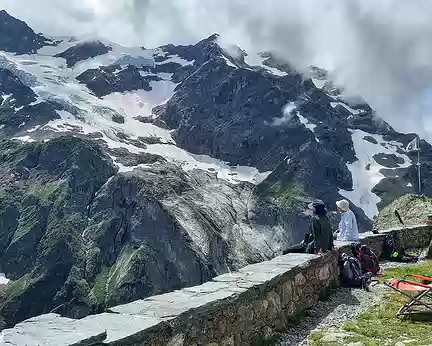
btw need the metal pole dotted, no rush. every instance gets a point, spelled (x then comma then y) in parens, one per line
(418, 166)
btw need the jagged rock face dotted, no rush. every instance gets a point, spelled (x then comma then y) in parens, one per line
(159, 255)
(215, 112)
(44, 201)
(199, 53)
(17, 37)
(18, 109)
(12, 85)
(313, 171)
(83, 51)
(93, 239)
(114, 78)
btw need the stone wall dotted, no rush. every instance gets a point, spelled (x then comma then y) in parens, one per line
(232, 309)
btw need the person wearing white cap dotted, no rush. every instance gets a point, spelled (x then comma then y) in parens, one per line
(348, 229)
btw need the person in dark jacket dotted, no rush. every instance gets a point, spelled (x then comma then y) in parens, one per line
(320, 228)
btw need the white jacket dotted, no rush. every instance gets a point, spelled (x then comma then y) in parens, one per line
(348, 229)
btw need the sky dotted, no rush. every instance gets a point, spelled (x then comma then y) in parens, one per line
(380, 50)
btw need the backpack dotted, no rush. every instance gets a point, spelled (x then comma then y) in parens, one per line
(368, 260)
(391, 247)
(351, 273)
(350, 268)
(393, 251)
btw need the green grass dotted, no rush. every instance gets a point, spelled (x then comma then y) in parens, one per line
(28, 222)
(267, 341)
(118, 271)
(15, 289)
(399, 272)
(46, 192)
(380, 326)
(281, 194)
(100, 287)
(316, 337)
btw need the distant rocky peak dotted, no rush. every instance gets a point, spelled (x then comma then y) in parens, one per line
(201, 52)
(83, 51)
(17, 37)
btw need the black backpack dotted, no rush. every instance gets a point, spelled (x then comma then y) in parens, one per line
(392, 249)
(351, 272)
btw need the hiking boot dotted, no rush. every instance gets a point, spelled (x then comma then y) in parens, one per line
(366, 281)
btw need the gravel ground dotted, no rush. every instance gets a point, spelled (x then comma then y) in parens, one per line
(343, 305)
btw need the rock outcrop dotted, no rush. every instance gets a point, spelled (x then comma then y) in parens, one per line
(413, 209)
(83, 51)
(93, 238)
(17, 37)
(106, 80)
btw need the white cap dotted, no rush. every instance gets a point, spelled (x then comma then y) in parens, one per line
(343, 205)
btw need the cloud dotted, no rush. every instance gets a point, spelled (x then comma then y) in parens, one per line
(380, 50)
(287, 115)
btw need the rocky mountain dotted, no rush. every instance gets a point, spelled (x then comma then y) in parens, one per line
(17, 37)
(413, 209)
(128, 172)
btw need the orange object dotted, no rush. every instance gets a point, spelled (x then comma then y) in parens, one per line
(421, 277)
(410, 286)
(419, 295)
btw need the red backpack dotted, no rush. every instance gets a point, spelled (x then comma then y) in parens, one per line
(368, 260)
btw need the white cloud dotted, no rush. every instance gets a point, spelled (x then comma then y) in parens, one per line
(379, 49)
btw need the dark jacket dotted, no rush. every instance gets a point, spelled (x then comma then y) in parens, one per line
(322, 233)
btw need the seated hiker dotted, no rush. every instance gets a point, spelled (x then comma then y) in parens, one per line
(306, 246)
(321, 232)
(348, 229)
(368, 260)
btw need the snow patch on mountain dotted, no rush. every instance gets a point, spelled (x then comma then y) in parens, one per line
(308, 125)
(254, 59)
(140, 102)
(24, 139)
(319, 83)
(5, 97)
(3, 279)
(366, 171)
(33, 129)
(188, 161)
(348, 108)
(306, 122)
(178, 60)
(229, 62)
(118, 54)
